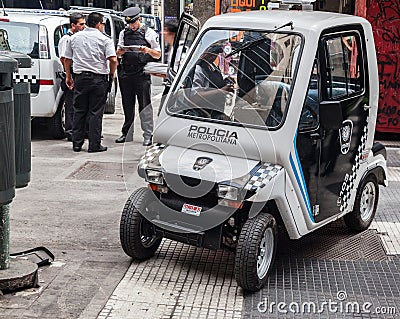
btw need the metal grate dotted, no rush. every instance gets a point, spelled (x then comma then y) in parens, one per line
(335, 242)
(105, 171)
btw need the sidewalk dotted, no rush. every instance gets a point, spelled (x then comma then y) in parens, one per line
(73, 205)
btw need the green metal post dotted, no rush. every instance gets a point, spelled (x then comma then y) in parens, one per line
(4, 237)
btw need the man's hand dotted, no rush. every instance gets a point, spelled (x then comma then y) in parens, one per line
(69, 82)
(120, 52)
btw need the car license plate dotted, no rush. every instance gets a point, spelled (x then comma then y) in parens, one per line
(191, 209)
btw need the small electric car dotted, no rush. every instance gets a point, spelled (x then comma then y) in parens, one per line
(269, 122)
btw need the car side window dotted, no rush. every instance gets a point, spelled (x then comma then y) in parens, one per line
(309, 113)
(59, 32)
(344, 71)
(119, 26)
(185, 42)
(107, 27)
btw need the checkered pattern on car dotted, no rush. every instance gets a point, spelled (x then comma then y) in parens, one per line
(350, 179)
(19, 78)
(151, 153)
(263, 175)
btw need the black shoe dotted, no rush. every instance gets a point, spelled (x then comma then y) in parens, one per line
(121, 139)
(96, 150)
(147, 142)
(77, 147)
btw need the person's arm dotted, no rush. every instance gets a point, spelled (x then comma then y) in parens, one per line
(120, 52)
(68, 76)
(113, 63)
(61, 49)
(154, 54)
(154, 51)
(68, 53)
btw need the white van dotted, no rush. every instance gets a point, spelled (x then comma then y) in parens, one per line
(37, 33)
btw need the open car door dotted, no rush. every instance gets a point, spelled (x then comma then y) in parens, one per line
(188, 29)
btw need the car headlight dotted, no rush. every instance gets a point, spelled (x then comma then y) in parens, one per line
(228, 192)
(154, 177)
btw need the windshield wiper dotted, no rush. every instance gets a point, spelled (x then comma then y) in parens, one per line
(259, 40)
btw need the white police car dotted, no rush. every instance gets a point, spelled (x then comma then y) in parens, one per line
(37, 33)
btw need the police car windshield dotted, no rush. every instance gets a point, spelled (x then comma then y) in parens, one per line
(22, 37)
(241, 76)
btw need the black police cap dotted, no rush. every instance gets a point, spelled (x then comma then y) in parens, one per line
(131, 14)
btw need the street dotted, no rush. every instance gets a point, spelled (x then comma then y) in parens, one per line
(73, 205)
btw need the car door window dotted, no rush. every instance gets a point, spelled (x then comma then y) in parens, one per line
(344, 72)
(119, 26)
(309, 112)
(186, 39)
(59, 32)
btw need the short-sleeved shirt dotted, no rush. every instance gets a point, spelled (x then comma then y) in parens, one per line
(151, 37)
(89, 51)
(63, 43)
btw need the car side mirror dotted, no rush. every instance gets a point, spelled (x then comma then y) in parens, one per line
(330, 115)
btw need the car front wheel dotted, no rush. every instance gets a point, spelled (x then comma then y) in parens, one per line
(255, 252)
(134, 228)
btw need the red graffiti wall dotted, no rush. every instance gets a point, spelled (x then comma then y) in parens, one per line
(384, 15)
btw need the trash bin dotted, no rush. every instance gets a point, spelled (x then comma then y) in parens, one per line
(22, 122)
(7, 142)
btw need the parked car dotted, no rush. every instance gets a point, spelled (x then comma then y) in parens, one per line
(152, 22)
(37, 33)
(269, 124)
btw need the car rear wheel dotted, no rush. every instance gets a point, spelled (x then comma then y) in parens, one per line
(134, 228)
(255, 252)
(56, 124)
(364, 206)
(110, 103)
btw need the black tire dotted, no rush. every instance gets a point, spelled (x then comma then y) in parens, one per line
(248, 252)
(56, 124)
(110, 103)
(133, 242)
(365, 205)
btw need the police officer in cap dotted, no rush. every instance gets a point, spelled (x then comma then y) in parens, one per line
(133, 82)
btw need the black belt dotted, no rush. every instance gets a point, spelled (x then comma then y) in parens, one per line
(91, 74)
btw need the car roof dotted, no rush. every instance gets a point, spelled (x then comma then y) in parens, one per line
(36, 16)
(303, 21)
(94, 9)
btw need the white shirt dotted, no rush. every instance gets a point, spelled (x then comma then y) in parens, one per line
(151, 37)
(62, 44)
(89, 51)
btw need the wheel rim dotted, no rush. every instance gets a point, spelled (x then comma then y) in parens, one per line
(367, 201)
(265, 252)
(147, 241)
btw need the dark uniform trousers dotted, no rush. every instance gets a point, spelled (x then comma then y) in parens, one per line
(132, 87)
(69, 109)
(90, 94)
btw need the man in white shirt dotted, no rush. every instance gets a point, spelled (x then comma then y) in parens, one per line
(94, 63)
(77, 23)
(133, 82)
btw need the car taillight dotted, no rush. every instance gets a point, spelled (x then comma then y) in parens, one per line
(44, 52)
(46, 82)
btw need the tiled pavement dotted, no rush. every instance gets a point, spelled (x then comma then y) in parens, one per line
(335, 275)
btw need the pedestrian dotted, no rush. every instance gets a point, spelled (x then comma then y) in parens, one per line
(133, 82)
(77, 23)
(94, 63)
(169, 32)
